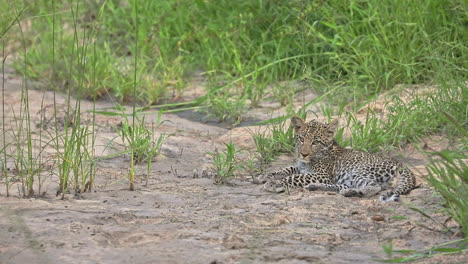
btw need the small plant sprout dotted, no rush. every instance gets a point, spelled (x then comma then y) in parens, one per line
(141, 142)
(225, 163)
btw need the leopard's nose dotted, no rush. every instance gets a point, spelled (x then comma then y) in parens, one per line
(304, 154)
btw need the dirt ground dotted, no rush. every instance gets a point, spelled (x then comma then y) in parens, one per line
(179, 218)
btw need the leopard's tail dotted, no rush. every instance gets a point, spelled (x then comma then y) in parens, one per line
(405, 182)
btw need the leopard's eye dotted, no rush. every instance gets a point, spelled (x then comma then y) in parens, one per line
(301, 139)
(315, 143)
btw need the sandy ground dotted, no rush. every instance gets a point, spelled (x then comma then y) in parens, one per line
(177, 218)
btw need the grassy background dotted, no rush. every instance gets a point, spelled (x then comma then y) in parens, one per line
(363, 46)
(351, 50)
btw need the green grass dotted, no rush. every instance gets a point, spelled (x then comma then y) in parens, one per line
(24, 160)
(225, 107)
(141, 141)
(279, 139)
(364, 47)
(409, 121)
(449, 176)
(76, 164)
(74, 143)
(225, 163)
(4, 158)
(452, 247)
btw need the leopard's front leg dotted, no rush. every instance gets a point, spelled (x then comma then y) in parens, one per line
(277, 175)
(369, 189)
(296, 180)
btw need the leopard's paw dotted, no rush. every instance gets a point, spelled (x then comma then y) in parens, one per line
(390, 197)
(274, 187)
(261, 179)
(311, 187)
(351, 193)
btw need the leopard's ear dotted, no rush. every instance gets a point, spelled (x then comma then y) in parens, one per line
(297, 123)
(331, 128)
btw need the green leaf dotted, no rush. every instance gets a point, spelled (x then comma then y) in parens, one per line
(404, 251)
(451, 250)
(282, 118)
(107, 113)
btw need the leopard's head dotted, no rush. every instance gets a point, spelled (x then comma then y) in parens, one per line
(313, 139)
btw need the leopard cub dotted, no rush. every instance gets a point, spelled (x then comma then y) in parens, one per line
(324, 165)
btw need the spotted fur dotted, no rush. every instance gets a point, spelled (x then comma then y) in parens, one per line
(324, 165)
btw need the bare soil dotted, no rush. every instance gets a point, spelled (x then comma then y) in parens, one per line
(179, 218)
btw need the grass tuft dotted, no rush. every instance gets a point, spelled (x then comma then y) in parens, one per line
(449, 176)
(279, 140)
(456, 247)
(225, 163)
(364, 47)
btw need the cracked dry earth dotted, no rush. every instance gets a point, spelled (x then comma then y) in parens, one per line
(177, 218)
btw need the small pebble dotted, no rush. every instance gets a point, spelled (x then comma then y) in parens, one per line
(378, 218)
